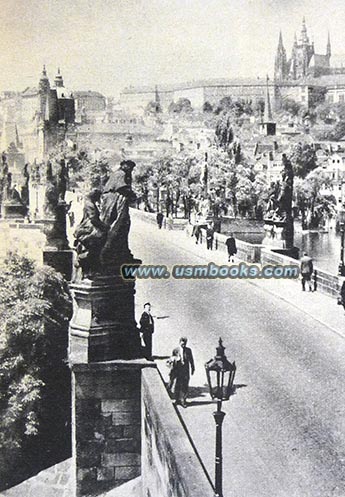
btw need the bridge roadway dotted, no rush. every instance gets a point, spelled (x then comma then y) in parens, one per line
(283, 433)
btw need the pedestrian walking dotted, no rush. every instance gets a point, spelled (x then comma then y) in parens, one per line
(209, 237)
(147, 329)
(71, 218)
(232, 249)
(196, 232)
(341, 297)
(183, 367)
(306, 271)
(159, 219)
(170, 222)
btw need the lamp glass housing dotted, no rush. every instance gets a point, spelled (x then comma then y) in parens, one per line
(220, 375)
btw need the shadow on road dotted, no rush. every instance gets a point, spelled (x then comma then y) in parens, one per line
(196, 392)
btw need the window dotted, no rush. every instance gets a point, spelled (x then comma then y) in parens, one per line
(341, 98)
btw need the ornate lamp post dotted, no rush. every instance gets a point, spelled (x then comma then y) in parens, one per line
(220, 377)
(341, 217)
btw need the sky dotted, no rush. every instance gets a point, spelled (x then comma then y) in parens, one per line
(105, 45)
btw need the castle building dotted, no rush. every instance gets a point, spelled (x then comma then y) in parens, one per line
(304, 62)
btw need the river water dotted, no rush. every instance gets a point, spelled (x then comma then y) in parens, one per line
(324, 248)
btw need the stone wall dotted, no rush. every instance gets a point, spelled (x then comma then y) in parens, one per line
(247, 252)
(106, 424)
(150, 217)
(170, 465)
(323, 282)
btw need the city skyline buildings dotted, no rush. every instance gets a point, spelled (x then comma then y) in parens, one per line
(106, 46)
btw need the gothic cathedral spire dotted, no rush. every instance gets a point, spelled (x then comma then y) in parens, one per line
(280, 65)
(328, 50)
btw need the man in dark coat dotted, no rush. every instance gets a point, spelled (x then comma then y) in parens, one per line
(306, 271)
(209, 237)
(232, 249)
(147, 329)
(159, 219)
(183, 367)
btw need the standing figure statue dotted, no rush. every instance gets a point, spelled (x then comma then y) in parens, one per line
(117, 196)
(90, 235)
(51, 193)
(55, 211)
(62, 179)
(285, 197)
(25, 187)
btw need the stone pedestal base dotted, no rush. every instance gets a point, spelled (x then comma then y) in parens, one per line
(103, 326)
(60, 260)
(106, 424)
(279, 237)
(12, 210)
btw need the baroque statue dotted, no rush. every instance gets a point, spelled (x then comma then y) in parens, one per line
(279, 207)
(102, 236)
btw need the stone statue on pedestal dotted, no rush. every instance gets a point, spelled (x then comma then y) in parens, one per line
(55, 209)
(279, 229)
(90, 235)
(102, 236)
(104, 326)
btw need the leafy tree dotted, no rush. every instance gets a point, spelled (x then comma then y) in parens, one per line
(86, 169)
(207, 107)
(224, 105)
(291, 107)
(153, 107)
(183, 105)
(142, 177)
(35, 306)
(224, 132)
(312, 205)
(303, 158)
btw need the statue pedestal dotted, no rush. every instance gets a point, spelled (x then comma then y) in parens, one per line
(13, 210)
(103, 326)
(279, 237)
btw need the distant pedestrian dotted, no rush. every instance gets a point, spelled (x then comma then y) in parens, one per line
(183, 367)
(159, 219)
(232, 249)
(71, 218)
(170, 222)
(306, 271)
(147, 329)
(196, 232)
(341, 298)
(172, 364)
(209, 237)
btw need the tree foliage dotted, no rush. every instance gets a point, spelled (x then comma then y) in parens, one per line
(183, 105)
(312, 204)
(303, 158)
(35, 306)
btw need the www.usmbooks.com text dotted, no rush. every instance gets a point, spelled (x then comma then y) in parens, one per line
(210, 271)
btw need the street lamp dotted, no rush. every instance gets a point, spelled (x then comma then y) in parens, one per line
(341, 217)
(220, 378)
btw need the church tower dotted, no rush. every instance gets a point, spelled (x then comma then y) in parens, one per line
(268, 126)
(302, 52)
(43, 91)
(58, 81)
(328, 50)
(280, 65)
